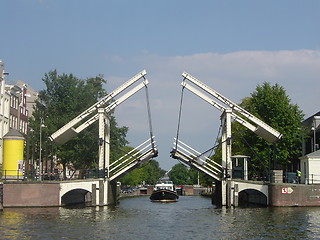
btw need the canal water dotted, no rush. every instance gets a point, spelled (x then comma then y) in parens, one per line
(138, 218)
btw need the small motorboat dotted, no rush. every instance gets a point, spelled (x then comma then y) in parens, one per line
(164, 192)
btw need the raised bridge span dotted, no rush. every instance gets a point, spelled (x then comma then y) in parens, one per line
(99, 190)
(228, 189)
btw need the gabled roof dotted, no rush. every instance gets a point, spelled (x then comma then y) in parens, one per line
(315, 154)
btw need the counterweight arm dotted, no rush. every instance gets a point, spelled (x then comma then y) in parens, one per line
(261, 129)
(68, 131)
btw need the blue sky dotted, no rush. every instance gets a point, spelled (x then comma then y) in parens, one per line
(232, 46)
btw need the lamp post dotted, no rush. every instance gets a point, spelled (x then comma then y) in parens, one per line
(40, 149)
(29, 165)
(313, 143)
(314, 137)
(316, 120)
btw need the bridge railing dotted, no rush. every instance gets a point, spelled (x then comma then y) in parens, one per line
(192, 157)
(136, 156)
(126, 163)
(56, 175)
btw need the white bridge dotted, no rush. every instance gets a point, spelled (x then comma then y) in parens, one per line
(103, 191)
(97, 192)
(230, 190)
(100, 189)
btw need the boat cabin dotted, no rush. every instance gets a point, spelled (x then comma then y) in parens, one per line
(165, 185)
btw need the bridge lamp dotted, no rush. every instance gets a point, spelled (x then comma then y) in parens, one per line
(40, 149)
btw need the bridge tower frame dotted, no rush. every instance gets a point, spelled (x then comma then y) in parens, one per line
(99, 111)
(230, 111)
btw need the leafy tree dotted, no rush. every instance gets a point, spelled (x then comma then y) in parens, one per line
(272, 105)
(64, 98)
(182, 175)
(152, 172)
(179, 174)
(148, 173)
(204, 180)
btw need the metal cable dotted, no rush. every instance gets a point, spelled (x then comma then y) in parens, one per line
(179, 117)
(149, 117)
(217, 144)
(256, 155)
(217, 139)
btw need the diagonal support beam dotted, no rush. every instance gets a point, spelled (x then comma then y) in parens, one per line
(263, 130)
(67, 132)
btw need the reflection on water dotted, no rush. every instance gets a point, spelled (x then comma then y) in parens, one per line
(139, 218)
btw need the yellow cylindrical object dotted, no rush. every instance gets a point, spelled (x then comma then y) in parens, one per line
(12, 165)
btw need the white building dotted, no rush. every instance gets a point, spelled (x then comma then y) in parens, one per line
(310, 161)
(310, 168)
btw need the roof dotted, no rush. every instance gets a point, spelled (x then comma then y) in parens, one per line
(13, 132)
(315, 154)
(309, 122)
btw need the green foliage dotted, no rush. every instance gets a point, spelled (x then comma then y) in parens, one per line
(64, 98)
(148, 173)
(204, 180)
(273, 106)
(117, 140)
(181, 175)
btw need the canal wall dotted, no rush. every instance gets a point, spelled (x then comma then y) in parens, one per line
(288, 195)
(1, 196)
(269, 194)
(30, 194)
(44, 194)
(94, 192)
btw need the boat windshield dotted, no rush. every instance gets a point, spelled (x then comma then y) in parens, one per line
(165, 182)
(165, 185)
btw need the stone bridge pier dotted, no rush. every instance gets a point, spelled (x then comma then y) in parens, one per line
(239, 192)
(98, 192)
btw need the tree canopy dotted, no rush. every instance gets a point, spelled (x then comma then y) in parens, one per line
(148, 173)
(182, 175)
(272, 105)
(65, 97)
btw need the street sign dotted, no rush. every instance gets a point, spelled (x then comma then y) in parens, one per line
(286, 190)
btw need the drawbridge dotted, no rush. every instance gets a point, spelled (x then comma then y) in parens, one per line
(230, 112)
(99, 112)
